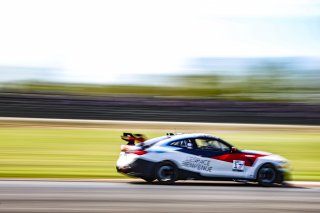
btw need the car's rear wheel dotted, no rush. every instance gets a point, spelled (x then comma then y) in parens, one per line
(166, 173)
(267, 175)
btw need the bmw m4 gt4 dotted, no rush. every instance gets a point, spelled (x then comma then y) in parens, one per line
(197, 156)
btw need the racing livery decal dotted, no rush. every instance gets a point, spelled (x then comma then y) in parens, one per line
(197, 163)
(238, 165)
(248, 159)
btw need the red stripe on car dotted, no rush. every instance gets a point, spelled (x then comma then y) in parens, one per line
(249, 159)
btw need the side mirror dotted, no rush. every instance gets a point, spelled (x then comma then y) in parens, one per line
(234, 150)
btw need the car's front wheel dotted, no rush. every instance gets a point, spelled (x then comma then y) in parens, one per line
(267, 175)
(166, 173)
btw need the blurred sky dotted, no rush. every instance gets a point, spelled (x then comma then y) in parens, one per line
(100, 40)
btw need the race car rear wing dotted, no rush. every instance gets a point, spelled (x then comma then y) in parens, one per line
(132, 138)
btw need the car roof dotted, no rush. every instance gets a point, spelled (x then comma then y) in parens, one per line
(184, 136)
(190, 135)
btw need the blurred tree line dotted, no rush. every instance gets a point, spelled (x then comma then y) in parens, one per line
(268, 81)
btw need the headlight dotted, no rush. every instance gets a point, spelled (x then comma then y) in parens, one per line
(283, 165)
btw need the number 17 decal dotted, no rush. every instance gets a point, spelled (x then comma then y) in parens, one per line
(238, 165)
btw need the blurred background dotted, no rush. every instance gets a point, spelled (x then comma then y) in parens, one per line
(248, 61)
(208, 61)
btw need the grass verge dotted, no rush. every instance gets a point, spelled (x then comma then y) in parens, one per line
(45, 152)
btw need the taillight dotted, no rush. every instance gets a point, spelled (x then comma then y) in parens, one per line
(127, 149)
(138, 152)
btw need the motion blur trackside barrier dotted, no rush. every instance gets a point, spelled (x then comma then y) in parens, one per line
(156, 109)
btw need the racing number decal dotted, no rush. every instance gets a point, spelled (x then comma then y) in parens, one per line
(238, 165)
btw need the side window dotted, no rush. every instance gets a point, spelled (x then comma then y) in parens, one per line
(186, 143)
(201, 143)
(211, 144)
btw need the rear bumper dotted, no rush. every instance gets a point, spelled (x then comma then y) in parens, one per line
(139, 168)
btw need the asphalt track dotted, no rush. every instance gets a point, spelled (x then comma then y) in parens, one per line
(137, 196)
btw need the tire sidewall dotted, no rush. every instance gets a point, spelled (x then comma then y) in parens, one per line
(175, 172)
(267, 183)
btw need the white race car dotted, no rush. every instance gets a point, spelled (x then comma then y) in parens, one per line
(198, 156)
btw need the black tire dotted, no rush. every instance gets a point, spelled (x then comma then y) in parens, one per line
(267, 175)
(166, 173)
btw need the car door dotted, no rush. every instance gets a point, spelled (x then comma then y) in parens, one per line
(224, 163)
(191, 158)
